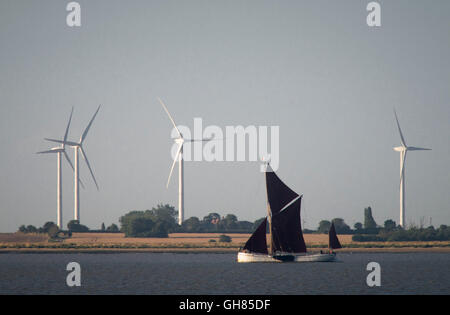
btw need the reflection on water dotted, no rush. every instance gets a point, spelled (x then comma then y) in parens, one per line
(146, 273)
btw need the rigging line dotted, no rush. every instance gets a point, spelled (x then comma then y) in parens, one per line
(303, 213)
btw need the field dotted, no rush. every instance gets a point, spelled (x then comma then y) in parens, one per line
(173, 239)
(187, 242)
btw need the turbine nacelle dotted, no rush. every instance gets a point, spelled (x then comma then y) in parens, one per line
(68, 143)
(179, 141)
(400, 149)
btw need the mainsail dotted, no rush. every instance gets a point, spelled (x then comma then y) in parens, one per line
(278, 193)
(257, 243)
(333, 241)
(287, 230)
(284, 216)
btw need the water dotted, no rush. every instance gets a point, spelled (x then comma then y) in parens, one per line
(203, 274)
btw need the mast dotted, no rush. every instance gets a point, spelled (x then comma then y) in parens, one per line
(279, 195)
(269, 215)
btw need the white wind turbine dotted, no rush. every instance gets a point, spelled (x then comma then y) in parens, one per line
(78, 146)
(179, 157)
(60, 150)
(403, 149)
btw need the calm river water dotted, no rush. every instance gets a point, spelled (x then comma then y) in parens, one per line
(203, 274)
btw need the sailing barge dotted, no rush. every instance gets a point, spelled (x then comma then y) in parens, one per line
(286, 243)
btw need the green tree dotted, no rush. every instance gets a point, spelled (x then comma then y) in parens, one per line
(229, 222)
(165, 213)
(358, 226)
(103, 228)
(211, 222)
(324, 227)
(245, 226)
(192, 225)
(31, 229)
(46, 227)
(23, 229)
(53, 231)
(140, 227)
(389, 225)
(112, 228)
(157, 222)
(341, 227)
(75, 226)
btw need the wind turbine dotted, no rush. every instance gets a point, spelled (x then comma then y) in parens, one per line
(78, 147)
(60, 150)
(179, 157)
(403, 149)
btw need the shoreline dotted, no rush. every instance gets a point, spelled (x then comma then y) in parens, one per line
(207, 250)
(191, 243)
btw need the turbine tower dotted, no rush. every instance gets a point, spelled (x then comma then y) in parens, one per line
(403, 149)
(60, 150)
(78, 147)
(179, 157)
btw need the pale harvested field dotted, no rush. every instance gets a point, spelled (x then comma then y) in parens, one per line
(184, 238)
(8, 238)
(189, 242)
(173, 239)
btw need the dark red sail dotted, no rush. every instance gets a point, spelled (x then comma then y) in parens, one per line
(278, 194)
(257, 243)
(287, 230)
(333, 241)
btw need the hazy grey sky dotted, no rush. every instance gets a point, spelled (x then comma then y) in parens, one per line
(314, 68)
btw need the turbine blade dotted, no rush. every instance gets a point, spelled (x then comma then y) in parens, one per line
(70, 143)
(83, 136)
(81, 183)
(48, 151)
(403, 166)
(400, 130)
(71, 165)
(54, 140)
(89, 166)
(68, 160)
(170, 117)
(68, 125)
(417, 149)
(173, 164)
(203, 140)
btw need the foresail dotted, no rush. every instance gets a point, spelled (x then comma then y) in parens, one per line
(257, 243)
(333, 241)
(278, 193)
(287, 230)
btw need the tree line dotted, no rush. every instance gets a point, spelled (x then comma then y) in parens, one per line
(162, 220)
(54, 232)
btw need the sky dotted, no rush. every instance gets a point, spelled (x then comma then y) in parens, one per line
(315, 69)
